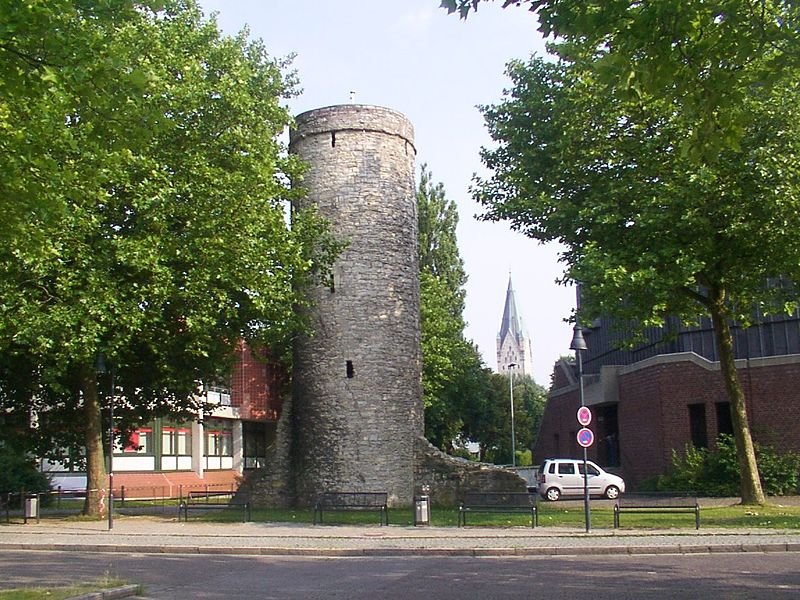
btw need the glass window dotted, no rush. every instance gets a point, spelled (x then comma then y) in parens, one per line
(219, 443)
(724, 419)
(176, 441)
(254, 437)
(589, 469)
(566, 469)
(140, 442)
(697, 425)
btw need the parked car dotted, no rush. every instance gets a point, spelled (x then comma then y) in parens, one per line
(564, 477)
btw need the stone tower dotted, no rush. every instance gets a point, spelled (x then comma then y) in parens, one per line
(513, 343)
(357, 398)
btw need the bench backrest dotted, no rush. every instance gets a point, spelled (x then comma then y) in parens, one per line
(208, 495)
(656, 499)
(490, 499)
(377, 499)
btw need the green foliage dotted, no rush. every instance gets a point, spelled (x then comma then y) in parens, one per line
(453, 378)
(18, 473)
(140, 149)
(493, 428)
(661, 149)
(77, 590)
(658, 228)
(524, 458)
(706, 58)
(716, 472)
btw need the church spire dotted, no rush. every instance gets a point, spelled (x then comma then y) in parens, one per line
(513, 343)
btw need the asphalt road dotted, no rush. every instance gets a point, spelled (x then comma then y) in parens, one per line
(165, 577)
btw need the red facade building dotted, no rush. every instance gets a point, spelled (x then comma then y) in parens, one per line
(166, 459)
(669, 393)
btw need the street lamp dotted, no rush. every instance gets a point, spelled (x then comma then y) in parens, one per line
(511, 393)
(579, 345)
(100, 369)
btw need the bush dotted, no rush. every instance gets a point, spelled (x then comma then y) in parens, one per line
(18, 473)
(716, 472)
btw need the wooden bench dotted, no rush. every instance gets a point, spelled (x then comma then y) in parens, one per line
(347, 501)
(216, 499)
(498, 502)
(657, 502)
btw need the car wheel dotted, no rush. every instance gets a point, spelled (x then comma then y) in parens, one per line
(612, 492)
(552, 494)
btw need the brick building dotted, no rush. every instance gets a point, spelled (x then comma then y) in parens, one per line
(166, 458)
(668, 392)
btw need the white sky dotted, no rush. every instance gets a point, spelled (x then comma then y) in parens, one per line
(411, 56)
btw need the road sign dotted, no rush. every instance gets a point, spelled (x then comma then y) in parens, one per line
(585, 437)
(584, 416)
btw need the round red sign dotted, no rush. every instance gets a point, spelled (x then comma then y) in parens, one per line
(584, 416)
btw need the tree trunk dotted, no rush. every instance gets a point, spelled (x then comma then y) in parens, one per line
(96, 476)
(745, 452)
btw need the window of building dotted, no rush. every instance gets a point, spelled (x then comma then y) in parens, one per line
(219, 394)
(140, 442)
(254, 437)
(697, 425)
(724, 421)
(176, 441)
(219, 438)
(219, 443)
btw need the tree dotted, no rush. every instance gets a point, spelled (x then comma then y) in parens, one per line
(452, 372)
(490, 424)
(464, 400)
(141, 148)
(707, 55)
(651, 231)
(693, 163)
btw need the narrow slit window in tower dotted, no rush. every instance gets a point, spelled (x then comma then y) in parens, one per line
(350, 370)
(333, 139)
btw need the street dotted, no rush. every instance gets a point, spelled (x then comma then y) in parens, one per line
(167, 577)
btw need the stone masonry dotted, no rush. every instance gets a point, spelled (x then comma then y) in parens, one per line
(357, 399)
(354, 421)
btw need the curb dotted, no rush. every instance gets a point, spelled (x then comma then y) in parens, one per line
(391, 552)
(125, 591)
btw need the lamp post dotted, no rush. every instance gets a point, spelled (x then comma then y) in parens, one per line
(511, 394)
(579, 344)
(100, 368)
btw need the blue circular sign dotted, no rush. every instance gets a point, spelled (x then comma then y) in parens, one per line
(585, 437)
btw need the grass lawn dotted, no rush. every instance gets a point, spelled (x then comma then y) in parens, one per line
(60, 593)
(550, 515)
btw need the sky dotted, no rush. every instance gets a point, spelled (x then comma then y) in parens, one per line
(436, 69)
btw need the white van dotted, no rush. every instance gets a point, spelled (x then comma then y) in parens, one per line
(564, 477)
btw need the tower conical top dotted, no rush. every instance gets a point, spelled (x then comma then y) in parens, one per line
(512, 322)
(513, 344)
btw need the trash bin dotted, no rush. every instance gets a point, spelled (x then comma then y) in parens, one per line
(32, 507)
(422, 510)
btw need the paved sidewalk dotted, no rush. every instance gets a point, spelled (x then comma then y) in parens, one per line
(153, 535)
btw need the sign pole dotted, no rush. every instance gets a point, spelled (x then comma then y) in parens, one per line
(585, 436)
(586, 513)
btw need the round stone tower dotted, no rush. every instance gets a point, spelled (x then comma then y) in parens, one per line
(357, 397)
